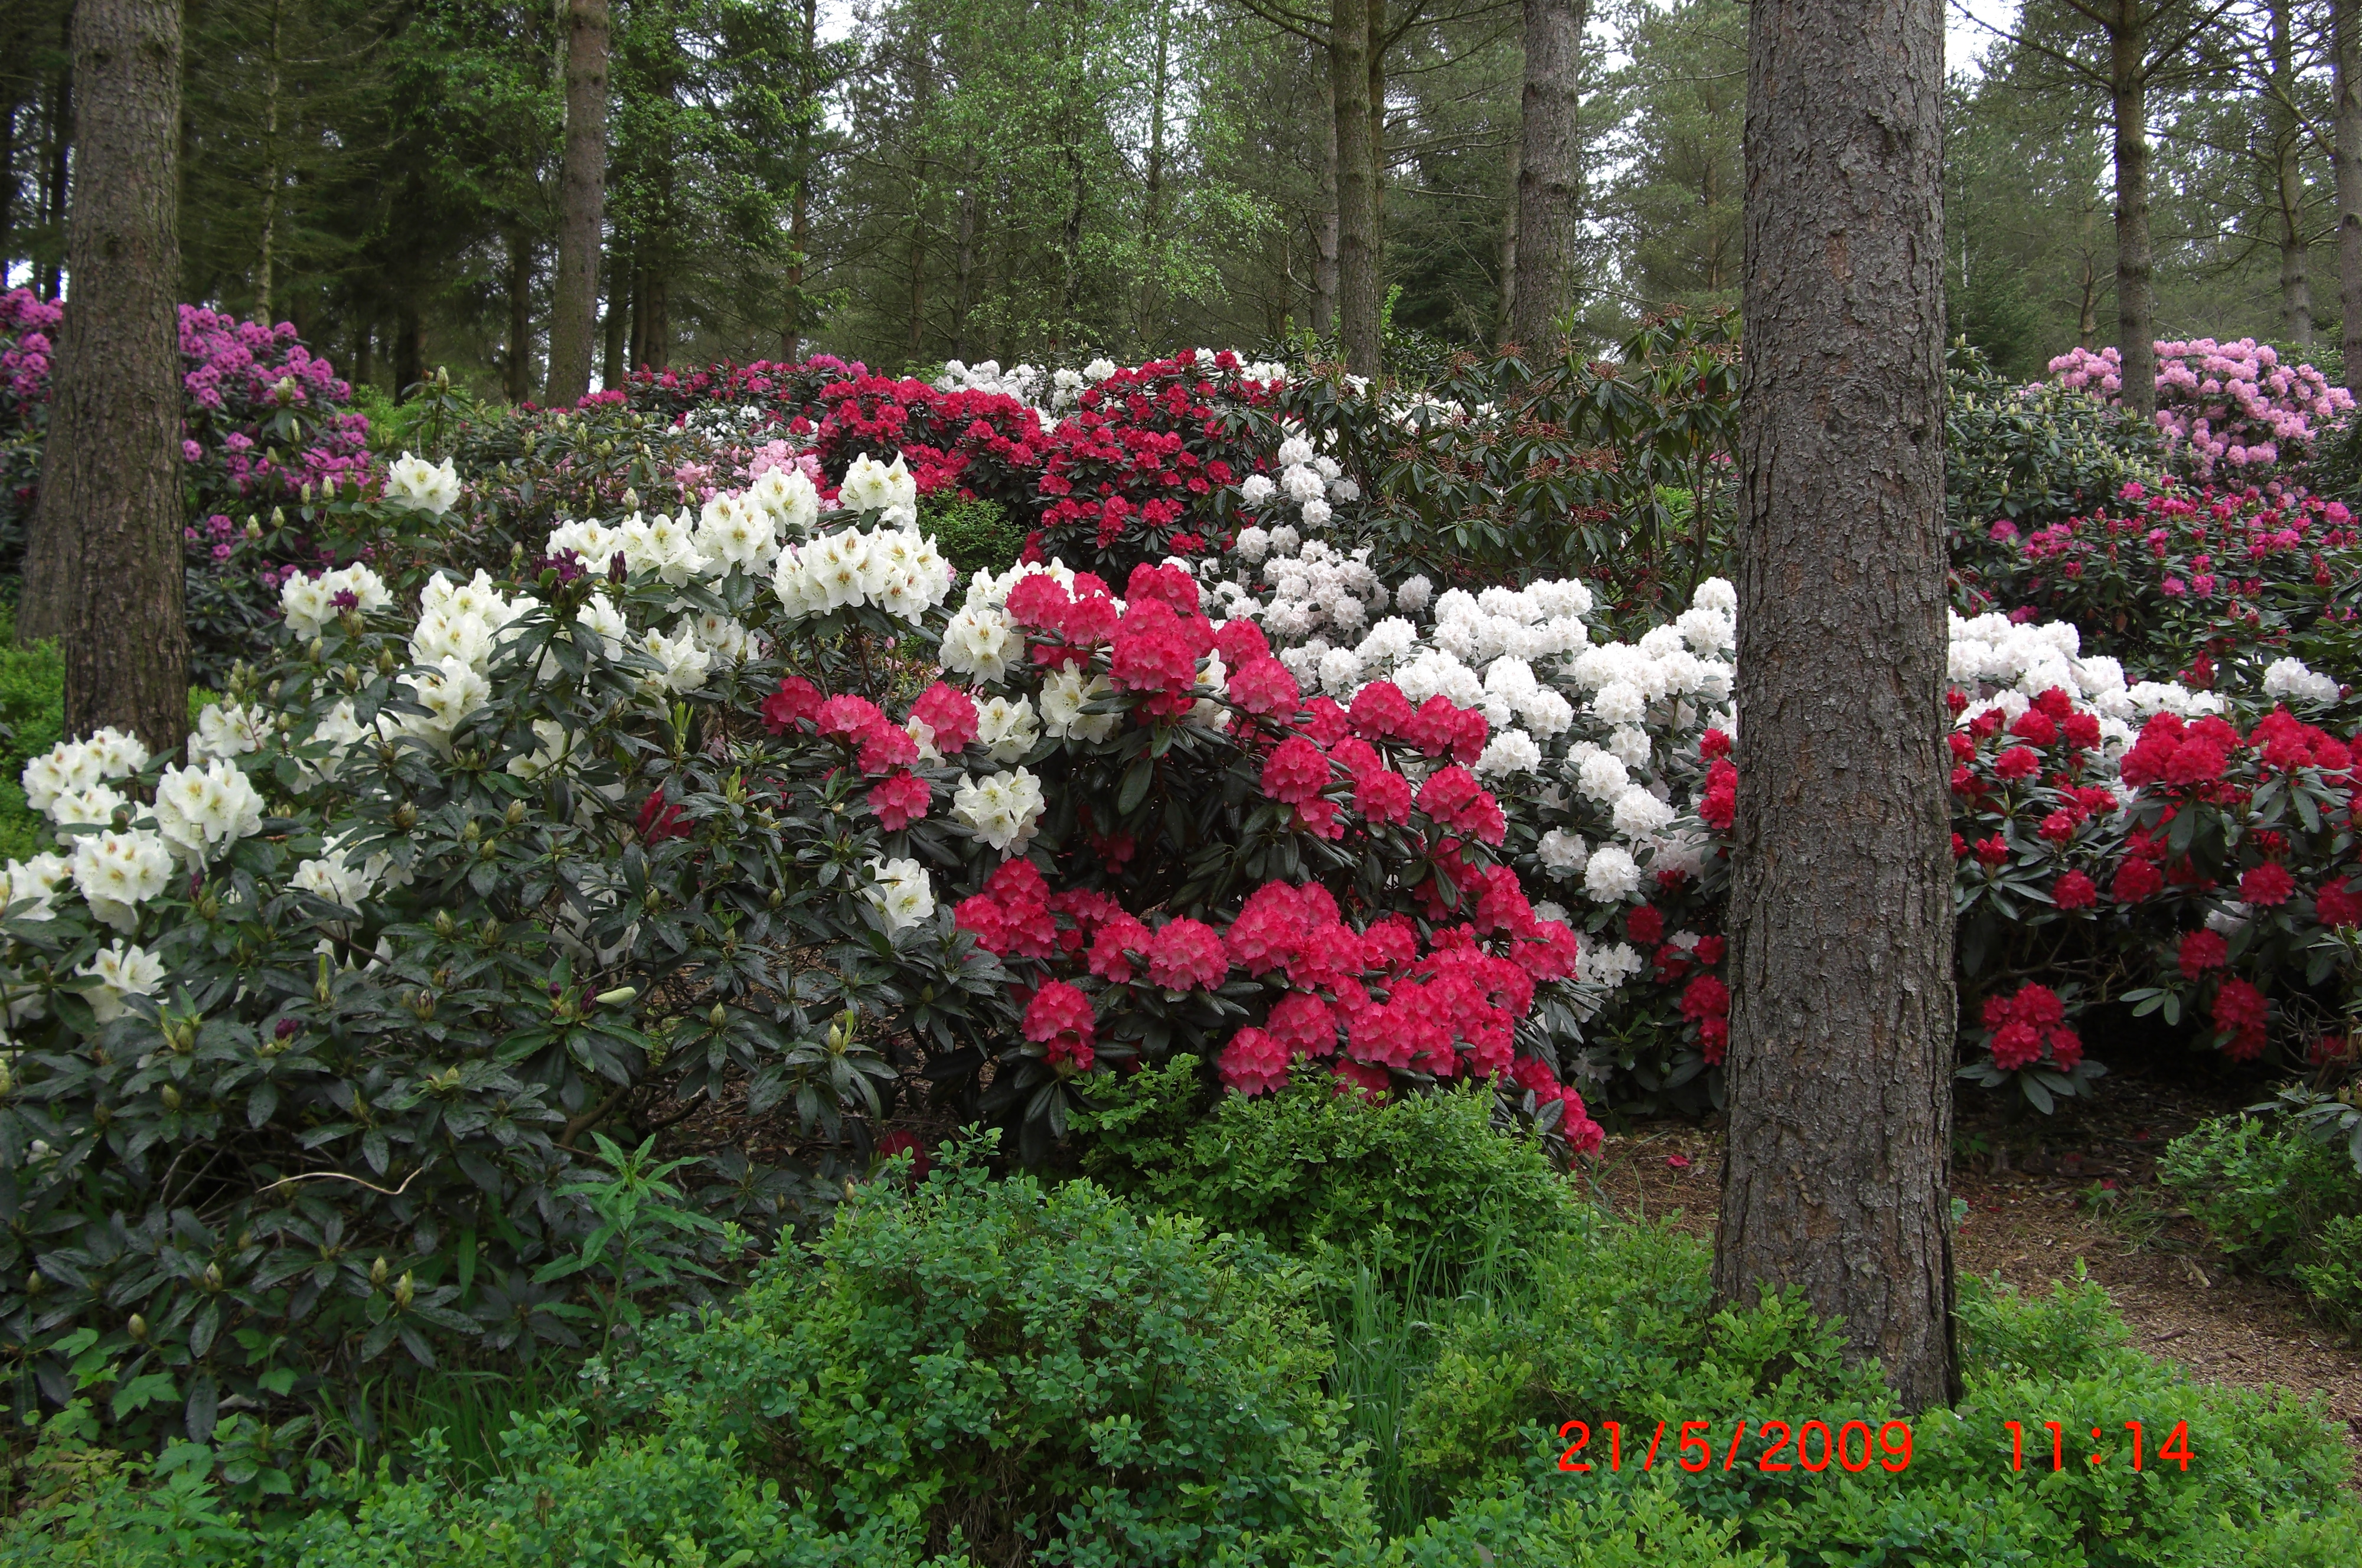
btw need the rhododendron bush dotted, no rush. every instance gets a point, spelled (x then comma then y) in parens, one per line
(2224, 407)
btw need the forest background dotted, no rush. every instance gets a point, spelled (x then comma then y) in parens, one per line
(905, 182)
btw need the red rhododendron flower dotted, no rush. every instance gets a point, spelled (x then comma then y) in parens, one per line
(1118, 937)
(2017, 763)
(1241, 642)
(848, 717)
(2136, 880)
(1295, 771)
(2016, 1045)
(1720, 803)
(2202, 951)
(1380, 711)
(1992, 851)
(1372, 1083)
(1324, 723)
(1706, 998)
(796, 698)
(1038, 602)
(1186, 954)
(1645, 925)
(2241, 1012)
(660, 820)
(950, 714)
(2337, 903)
(2059, 825)
(1713, 744)
(900, 800)
(1060, 1017)
(885, 747)
(2082, 731)
(2035, 727)
(1253, 1062)
(1303, 1024)
(2074, 891)
(1264, 686)
(2266, 884)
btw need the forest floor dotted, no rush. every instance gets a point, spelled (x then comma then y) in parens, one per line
(2049, 1195)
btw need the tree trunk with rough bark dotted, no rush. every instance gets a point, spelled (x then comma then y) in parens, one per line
(1550, 169)
(1357, 210)
(2128, 115)
(517, 372)
(2346, 22)
(2287, 182)
(581, 204)
(103, 566)
(1842, 1007)
(1324, 232)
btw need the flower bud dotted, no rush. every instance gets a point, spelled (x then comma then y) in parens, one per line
(137, 1328)
(405, 816)
(35, 1283)
(377, 1274)
(618, 997)
(516, 813)
(472, 832)
(213, 1280)
(170, 1097)
(719, 1016)
(7, 1079)
(444, 926)
(404, 1291)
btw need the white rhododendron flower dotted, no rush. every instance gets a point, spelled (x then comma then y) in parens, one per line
(552, 749)
(121, 972)
(981, 642)
(2293, 677)
(599, 615)
(311, 602)
(451, 691)
(39, 880)
(117, 872)
(1562, 853)
(1511, 751)
(1002, 809)
(1065, 692)
(732, 532)
(412, 481)
(1611, 876)
(872, 486)
(1007, 727)
(229, 729)
(664, 545)
(681, 664)
(206, 808)
(902, 892)
(95, 804)
(788, 497)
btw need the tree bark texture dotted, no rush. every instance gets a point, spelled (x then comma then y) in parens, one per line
(1357, 194)
(1324, 233)
(2136, 262)
(103, 566)
(1550, 169)
(1842, 1009)
(517, 369)
(581, 205)
(1508, 307)
(2287, 182)
(2347, 83)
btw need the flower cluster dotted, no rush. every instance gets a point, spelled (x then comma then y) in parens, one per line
(2233, 405)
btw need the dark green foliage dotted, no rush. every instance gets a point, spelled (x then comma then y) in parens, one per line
(2032, 456)
(2278, 1202)
(978, 536)
(32, 710)
(1313, 1171)
(1027, 1365)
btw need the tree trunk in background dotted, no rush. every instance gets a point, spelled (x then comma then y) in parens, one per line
(1324, 233)
(581, 204)
(2287, 182)
(1357, 213)
(60, 150)
(800, 207)
(1510, 244)
(1842, 1007)
(270, 174)
(1550, 169)
(1375, 59)
(655, 322)
(619, 321)
(409, 352)
(516, 374)
(2135, 305)
(102, 563)
(2346, 32)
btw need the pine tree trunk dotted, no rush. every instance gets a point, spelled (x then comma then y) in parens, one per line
(1509, 306)
(2346, 80)
(1324, 231)
(581, 204)
(1550, 169)
(1357, 213)
(2288, 183)
(103, 566)
(2136, 304)
(1842, 1007)
(791, 338)
(517, 372)
(55, 171)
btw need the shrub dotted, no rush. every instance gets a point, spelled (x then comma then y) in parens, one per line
(2266, 1469)
(2030, 456)
(1038, 1370)
(2266, 1194)
(976, 535)
(2233, 405)
(1428, 1179)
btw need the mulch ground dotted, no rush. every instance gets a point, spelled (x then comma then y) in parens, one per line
(2046, 1194)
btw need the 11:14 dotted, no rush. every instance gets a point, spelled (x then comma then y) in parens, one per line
(2175, 1447)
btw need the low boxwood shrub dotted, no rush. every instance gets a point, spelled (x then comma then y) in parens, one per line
(2278, 1202)
(1311, 1170)
(1040, 1370)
